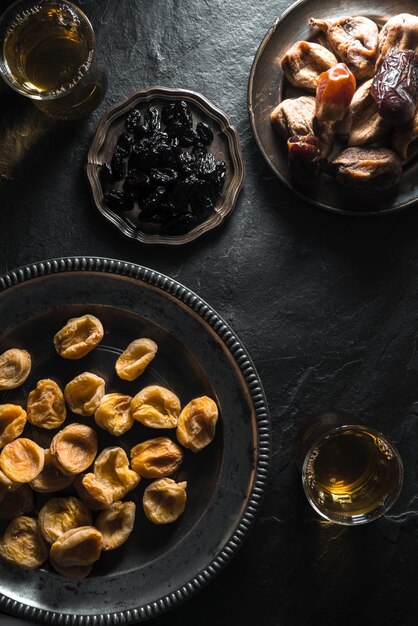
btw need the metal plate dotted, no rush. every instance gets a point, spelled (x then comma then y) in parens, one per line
(225, 147)
(267, 88)
(198, 354)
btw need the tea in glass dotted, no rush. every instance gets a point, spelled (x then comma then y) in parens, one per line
(352, 475)
(49, 55)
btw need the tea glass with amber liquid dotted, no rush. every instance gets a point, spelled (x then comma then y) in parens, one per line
(352, 474)
(48, 53)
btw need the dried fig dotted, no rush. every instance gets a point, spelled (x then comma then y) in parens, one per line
(61, 514)
(354, 40)
(95, 494)
(156, 458)
(78, 337)
(116, 524)
(404, 138)
(363, 123)
(74, 448)
(12, 422)
(114, 414)
(84, 393)
(156, 407)
(401, 32)
(77, 547)
(367, 168)
(15, 366)
(111, 468)
(22, 543)
(137, 356)
(197, 422)
(22, 460)
(51, 478)
(164, 500)
(304, 62)
(15, 503)
(46, 406)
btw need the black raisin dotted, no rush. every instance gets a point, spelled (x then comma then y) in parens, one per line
(186, 164)
(118, 163)
(140, 132)
(153, 200)
(163, 176)
(204, 133)
(118, 201)
(125, 142)
(219, 177)
(206, 166)
(188, 138)
(167, 113)
(133, 120)
(152, 119)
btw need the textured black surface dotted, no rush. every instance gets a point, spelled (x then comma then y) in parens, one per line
(326, 305)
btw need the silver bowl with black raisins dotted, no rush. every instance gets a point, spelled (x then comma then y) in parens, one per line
(165, 166)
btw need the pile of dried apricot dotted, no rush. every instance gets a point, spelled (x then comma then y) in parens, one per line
(65, 530)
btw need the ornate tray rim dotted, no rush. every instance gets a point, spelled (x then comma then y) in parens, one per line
(255, 390)
(231, 192)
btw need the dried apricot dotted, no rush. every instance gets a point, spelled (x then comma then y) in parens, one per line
(74, 448)
(114, 414)
(111, 468)
(77, 547)
(164, 500)
(116, 524)
(84, 393)
(156, 458)
(197, 423)
(137, 356)
(22, 543)
(95, 494)
(78, 337)
(15, 366)
(61, 514)
(22, 460)
(18, 502)
(156, 407)
(12, 422)
(46, 406)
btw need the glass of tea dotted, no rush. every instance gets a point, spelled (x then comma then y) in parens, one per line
(352, 474)
(48, 53)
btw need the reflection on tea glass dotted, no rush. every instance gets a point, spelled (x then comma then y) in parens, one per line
(352, 475)
(49, 54)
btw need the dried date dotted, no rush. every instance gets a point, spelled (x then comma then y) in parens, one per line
(303, 154)
(395, 87)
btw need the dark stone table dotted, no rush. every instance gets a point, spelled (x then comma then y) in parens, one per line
(326, 305)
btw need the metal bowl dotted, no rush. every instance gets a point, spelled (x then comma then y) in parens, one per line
(226, 147)
(267, 88)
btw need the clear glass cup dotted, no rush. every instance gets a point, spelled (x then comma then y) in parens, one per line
(48, 54)
(351, 474)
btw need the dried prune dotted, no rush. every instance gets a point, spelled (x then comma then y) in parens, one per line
(183, 114)
(395, 87)
(133, 120)
(153, 201)
(186, 164)
(118, 163)
(220, 173)
(140, 132)
(118, 201)
(137, 179)
(163, 176)
(143, 155)
(204, 196)
(152, 119)
(204, 133)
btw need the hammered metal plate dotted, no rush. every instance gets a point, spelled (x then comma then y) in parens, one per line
(158, 566)
(225, 147)
(267, 88)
